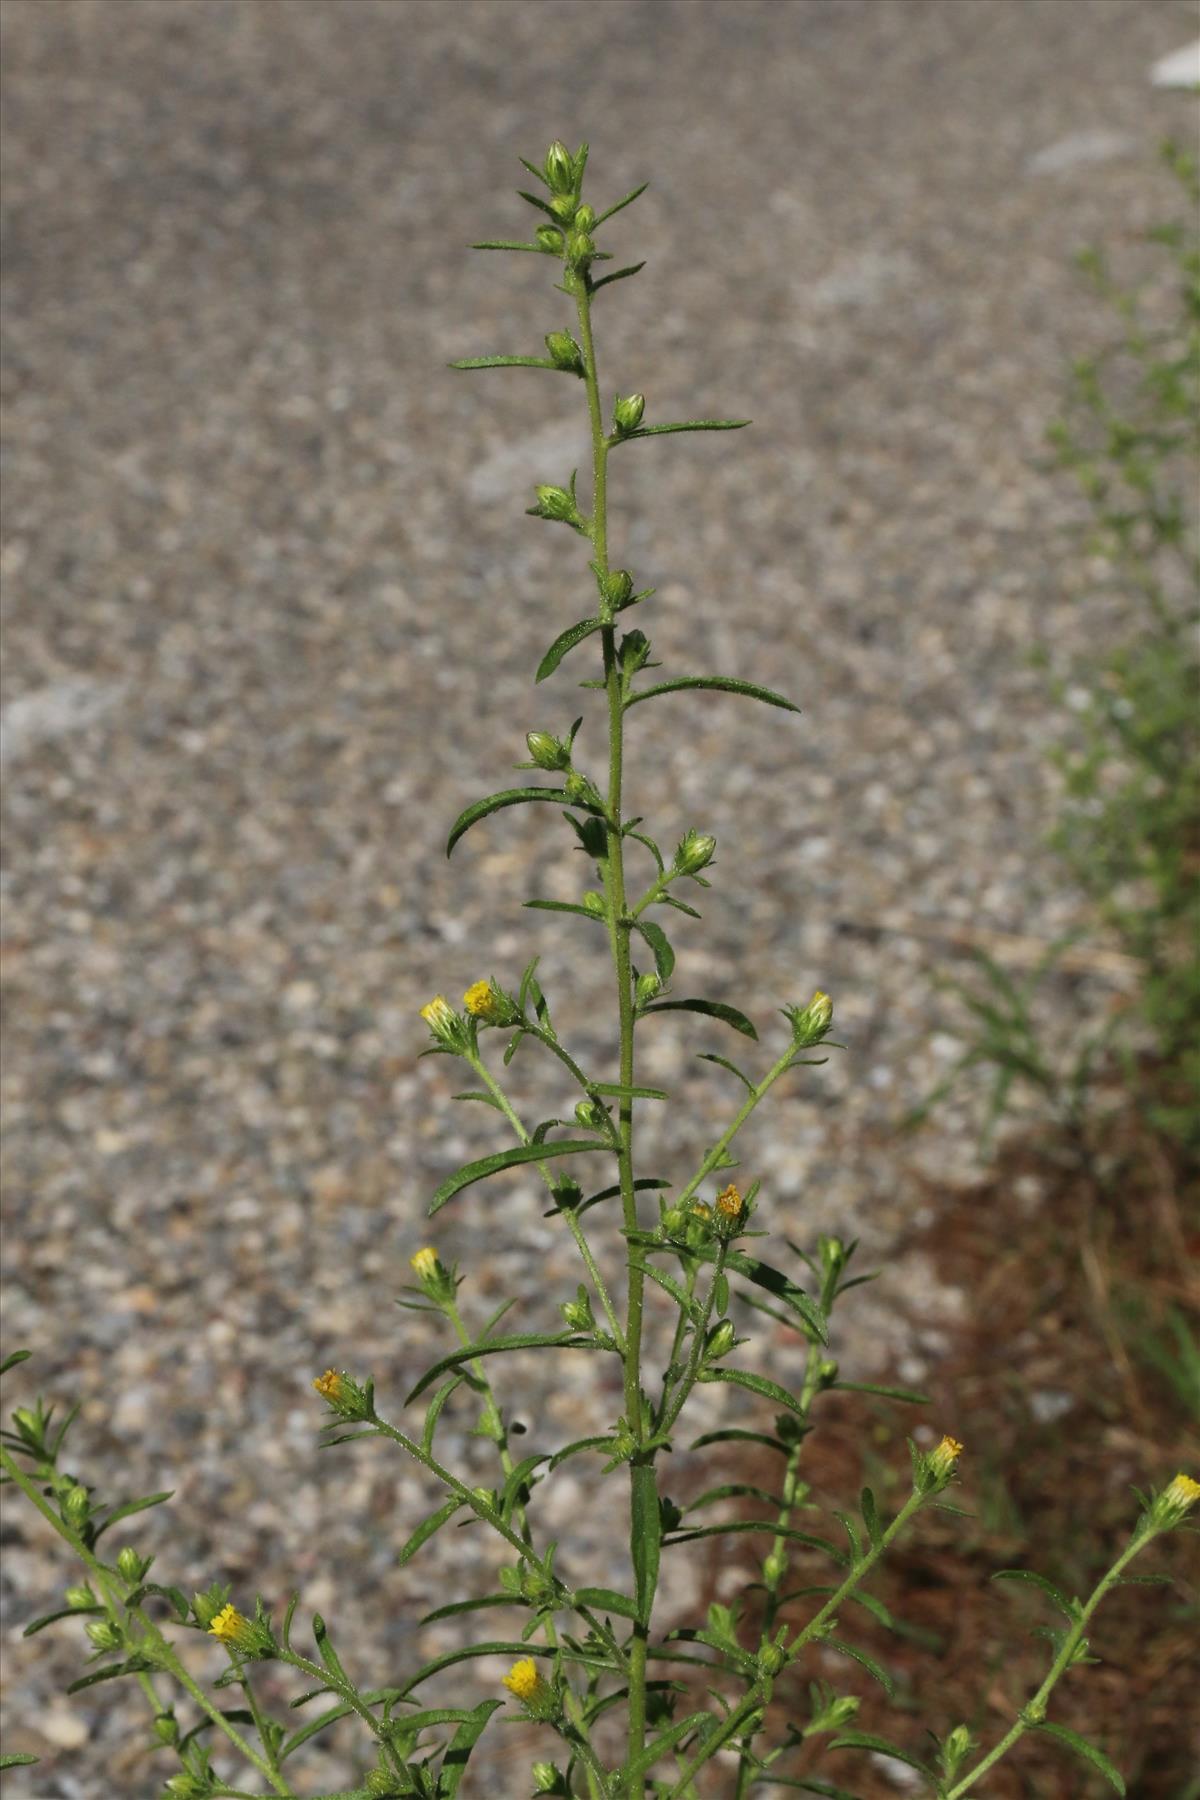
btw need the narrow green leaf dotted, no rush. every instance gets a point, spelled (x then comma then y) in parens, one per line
(494, 803)
(759, 1528)
(509, 244)
(10, 1362)
(526, 1340)
(507, 362)
(713, 1009)
(465, 1606)
(618, 275)
(458, 1750)
(688, 425)
(328, 1654)
(66, 1612)
(610, 1193)
(427, 1528)
(666, 1740)
(1081, 1747)
(107, 1674)
(132, 1506)
(621, 204)
(16, 1759)
(1068, 1607)
(736, 1435)
(624, 1091)
(507, 1159)
(730, 1490)
(646, 1536)
(607, 1600)
(565, 641)
(670, 1286)
(664, 956)
(756, 1384)
(773, 1281)
(712, 1057)
(562, 906)
(434, 1409)
(870, 1513)
(866, 1740)
(910, 1396)
(587, 1443)
(719, 684)
(867, 1662)
(517, 1479)
(487, 1099)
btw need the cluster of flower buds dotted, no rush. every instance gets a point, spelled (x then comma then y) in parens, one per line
(437, 1282)
(490, 1005)
(348, 1398)
(812, 1022)
(693, 1224)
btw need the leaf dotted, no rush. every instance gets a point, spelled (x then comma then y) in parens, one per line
(563, 906)
(526, 1340)
(617, 275)
(508, 244)
(759, 1528)
(621, 205)
(16, 1759)
(455, 1607)
(646, 1535)
(107, 1674)
(729, 1490)
(458, 1750)
(713, 1009)
(1068, 1607)
(133, 1506)
(564, 642)
(607, 1601)
(667, 1739)
(868, 1663)
(866, 1740)
(735, 1435)
(507, 362)
(773, 1281)
(587, 1443)
(66, 1612)
(756, 1384)
(909, 1395)
(10, 1362)
(670, 1286)
(1081, 1747)
(688, 425)
(494, 802)
(426, 1529)
(487, 1099)
(624, 1091)
(870, 1513)
(507, 1159)
(434, 1410)
(720, 684)
(664, 956)
(517, 1479)
(611, 1193)
(710, 1056)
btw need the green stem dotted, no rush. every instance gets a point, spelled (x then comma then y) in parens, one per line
(164, 1655)
(1034, 1711)
(467, 1495)
(699, 1332)
(619, 927)
(573, 1226)
(318, 1672)
(758, 1696)
(713, 1158)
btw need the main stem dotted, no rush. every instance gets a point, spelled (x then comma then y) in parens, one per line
(619, 928)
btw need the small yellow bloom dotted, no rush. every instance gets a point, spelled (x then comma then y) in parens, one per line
(729, 1203)
(1183, 1491)
(1176, 1499)
(477, 998)
(944, 1456)
(524, 1680)
(701, 1209)
(230, 1626)
(425, 1263)
(330, 1386)
(438, 1014)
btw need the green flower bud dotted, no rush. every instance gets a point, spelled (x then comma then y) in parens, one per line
(674, 1221)
(548, 752)
(595, 904)
(827, 1372)
(381, 1784)
(185, 1787)
(104, 1634)
(556, 503)
(166, 1728)
(486, 1497)
(580, 249)
(591, 1113)
(770, 1659)
(76, 1505)
(80, 1597)
(546, 1778)
(648, 986)
(1172, 1506)
(627, 413)
(812, 1022)
(585, 218)
(565, 352)
(695, 852)
(830, 1711)
(564, 207)
(719, 1341)
(582, 791)
(30, 1425)
(957, 1745)
(617, 587)
(559, 168)
(132, 1566)
(550, 238)
(774, 1568)
(578, 1312)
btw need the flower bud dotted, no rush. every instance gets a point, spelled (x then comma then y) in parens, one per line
(30, 1425)
(559, 168)
(578, 1312)
(546, 1778)
(591, 1113)
(580, 249)
(445, 1023)
(381, 1784)
(811, 1023)
(185, 1787)
(647, 986)
(130, 1565)
(347, 1397)
(585, 218)
(933, 1470)
(627, 413)
(595, 904)
(564, 207)
(555, 502)
(80, 1597)
(674, 1221)
(550, 238)
(770, 1659)
(565, 352)
(695, 852)
(548, 752)
(617, 586)
(76, 1505)
(730, 1210)
(719, 1341)
(166, 1728)
(1175, 1502)
(435, 1279)
(104, 1634)
(774, 1568)
(581, 791)
(249, 1637)
(486, 1497)
(957, 1745)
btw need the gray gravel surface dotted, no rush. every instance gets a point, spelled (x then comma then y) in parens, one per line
(272, 611)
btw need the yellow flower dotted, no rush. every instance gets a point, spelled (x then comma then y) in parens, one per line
(1176, 1499)
(438, 1013)
(943, 1458)
(524, 1680)
(230, 1626)
(700, 1209)
(330, 1386)
(729, 1204)
(477, 998)
(1183, 1491)
(425, 1262)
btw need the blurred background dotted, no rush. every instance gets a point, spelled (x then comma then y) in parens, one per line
(272, 611)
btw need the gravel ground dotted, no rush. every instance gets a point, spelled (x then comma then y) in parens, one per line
(272, 611)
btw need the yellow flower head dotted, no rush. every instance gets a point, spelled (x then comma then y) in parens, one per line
(438, 1013)
(701, 1209)
(478, 999)
(944, 1456)
(1183, 1491)
(525, 1681)
(331, 1387)
(425, 1263)
(1176, 1500)
(230, 1626)
(729, 1204)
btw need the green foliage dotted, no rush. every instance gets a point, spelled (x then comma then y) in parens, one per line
(586, 1653)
